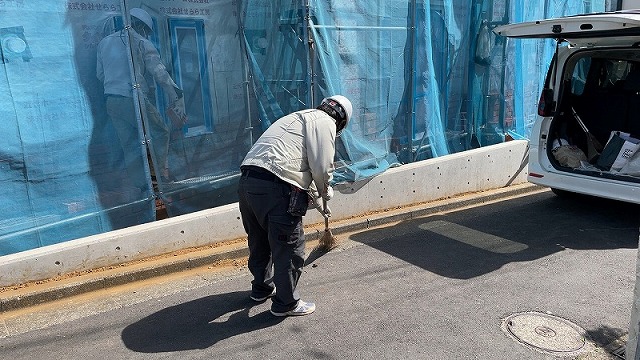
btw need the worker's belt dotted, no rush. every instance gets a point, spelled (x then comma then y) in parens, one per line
(259, 173)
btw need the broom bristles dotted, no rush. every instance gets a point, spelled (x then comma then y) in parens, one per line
(328, 241)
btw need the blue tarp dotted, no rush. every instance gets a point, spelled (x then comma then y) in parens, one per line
(426, 79)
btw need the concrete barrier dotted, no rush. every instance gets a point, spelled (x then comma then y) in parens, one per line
(475, 170)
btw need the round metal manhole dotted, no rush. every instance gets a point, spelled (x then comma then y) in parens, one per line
(545, 332)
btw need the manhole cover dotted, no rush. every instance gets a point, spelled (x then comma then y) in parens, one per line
(545, 332)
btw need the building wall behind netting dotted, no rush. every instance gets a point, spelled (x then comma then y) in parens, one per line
(427, 79)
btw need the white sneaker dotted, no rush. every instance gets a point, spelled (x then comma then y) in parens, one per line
(303, 308)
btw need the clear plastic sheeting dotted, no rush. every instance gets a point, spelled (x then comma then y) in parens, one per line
(106, 123)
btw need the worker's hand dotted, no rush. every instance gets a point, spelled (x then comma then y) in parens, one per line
(314, 200)
(181, 110)
(326, 210)
(329, 194)
(177, 113)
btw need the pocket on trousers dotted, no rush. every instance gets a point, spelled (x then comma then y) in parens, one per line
(298, 201)
(284, 228)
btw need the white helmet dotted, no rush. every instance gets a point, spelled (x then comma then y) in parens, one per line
(340, 108)
(142, 16)
(342, 101)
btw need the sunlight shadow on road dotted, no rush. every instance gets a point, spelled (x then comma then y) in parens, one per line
(471, 242)
(481, 240)
(196, 324)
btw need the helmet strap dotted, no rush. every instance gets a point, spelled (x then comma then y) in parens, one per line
(341, 121)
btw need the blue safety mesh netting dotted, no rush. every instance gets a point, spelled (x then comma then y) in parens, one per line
(426, 78)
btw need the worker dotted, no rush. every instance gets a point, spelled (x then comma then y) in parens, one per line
(290, 161)
(113, 71)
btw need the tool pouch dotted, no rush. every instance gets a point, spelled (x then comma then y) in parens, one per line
(298, 201)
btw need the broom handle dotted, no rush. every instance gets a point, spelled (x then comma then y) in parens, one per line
(593, 145)
(326, 217)
(582, 125)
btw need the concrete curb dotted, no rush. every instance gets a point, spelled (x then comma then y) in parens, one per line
(424, 209)
(42, 292)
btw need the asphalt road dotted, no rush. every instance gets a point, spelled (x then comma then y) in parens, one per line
(438, 287)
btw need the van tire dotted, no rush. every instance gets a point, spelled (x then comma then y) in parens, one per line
(562, 193)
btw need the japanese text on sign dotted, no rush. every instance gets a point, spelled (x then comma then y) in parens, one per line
(91, 6)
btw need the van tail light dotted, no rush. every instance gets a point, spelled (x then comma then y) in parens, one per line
(546, 105)
(536, 175)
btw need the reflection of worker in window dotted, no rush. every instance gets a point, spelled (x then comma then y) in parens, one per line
(113, 70)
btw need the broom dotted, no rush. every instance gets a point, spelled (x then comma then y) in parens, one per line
(327, 241)
(593, 145)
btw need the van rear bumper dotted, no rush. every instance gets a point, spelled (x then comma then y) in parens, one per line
(585, 184)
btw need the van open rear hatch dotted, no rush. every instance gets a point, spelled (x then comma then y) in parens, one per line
(592, 96)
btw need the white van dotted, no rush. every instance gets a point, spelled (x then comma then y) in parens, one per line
(586, 137)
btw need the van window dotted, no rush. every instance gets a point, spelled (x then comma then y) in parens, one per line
(579, 77)
(597, 74)
(616, 70)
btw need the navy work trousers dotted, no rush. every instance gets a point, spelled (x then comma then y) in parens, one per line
(276, 239)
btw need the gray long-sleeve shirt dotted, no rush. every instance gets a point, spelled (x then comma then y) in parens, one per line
(298, 148)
